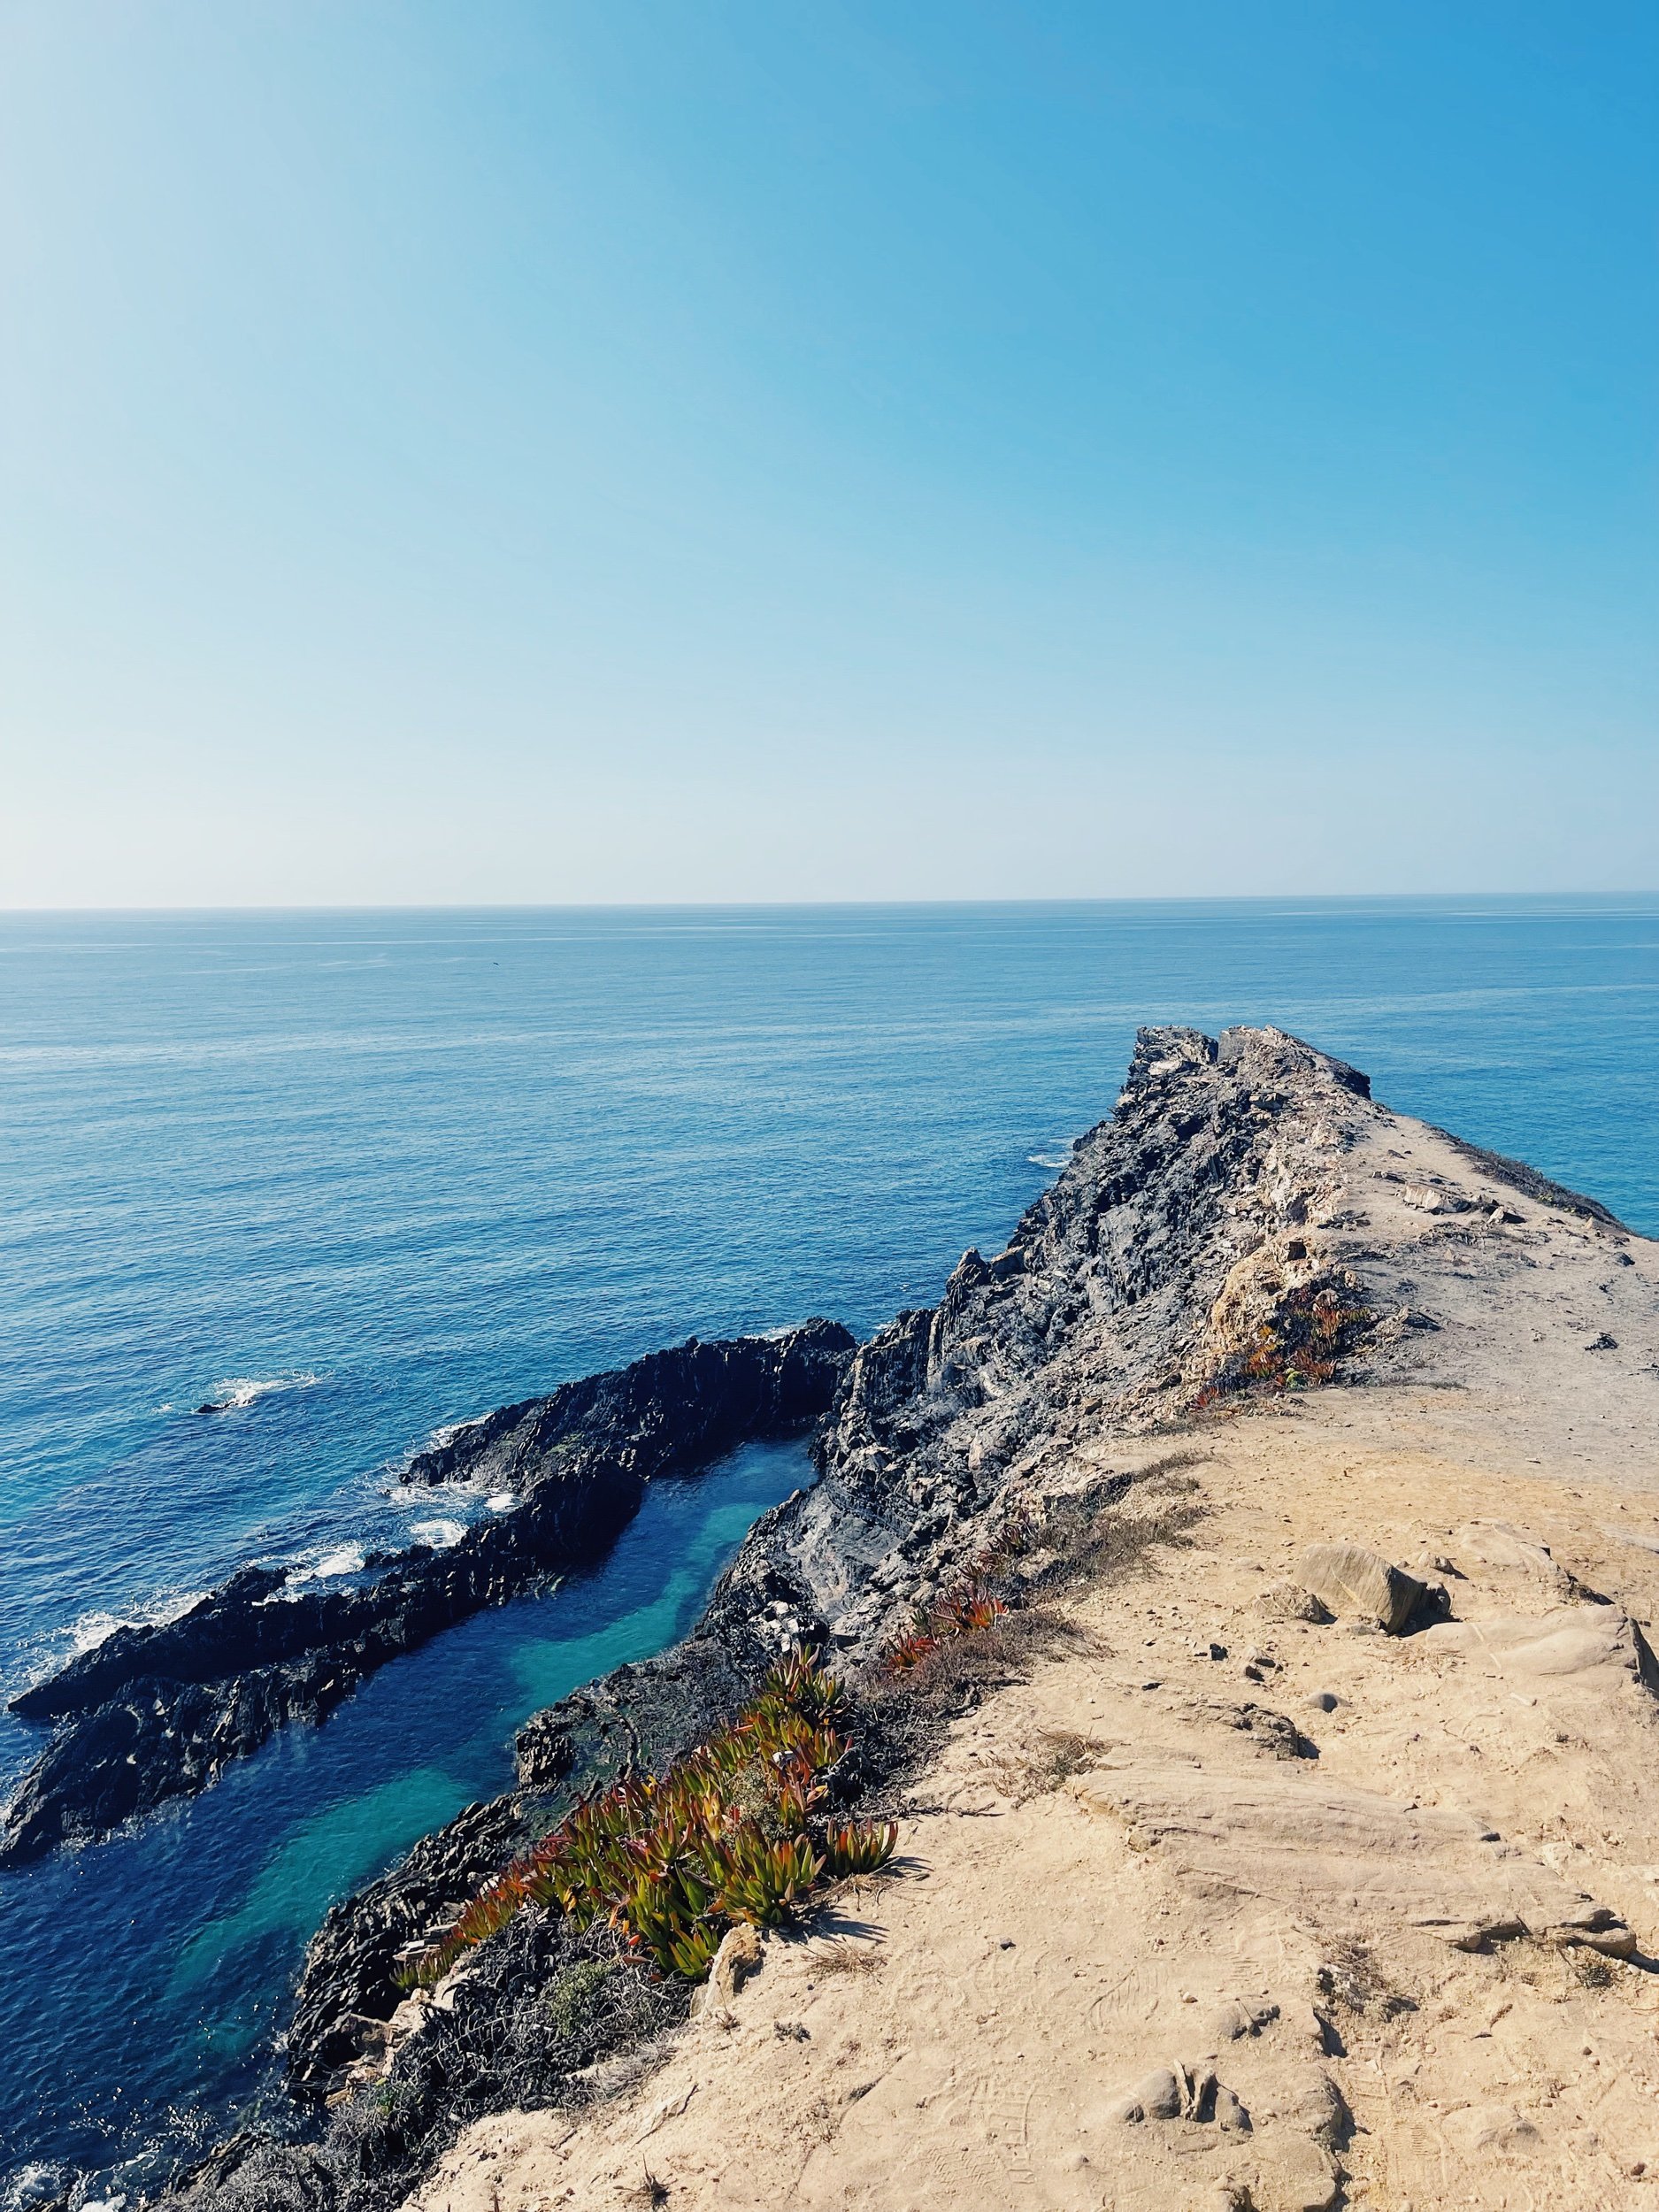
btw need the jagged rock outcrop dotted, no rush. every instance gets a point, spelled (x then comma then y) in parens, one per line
(1177, 1232)
(157, 1712)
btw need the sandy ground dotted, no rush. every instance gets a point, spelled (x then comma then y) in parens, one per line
(1142, 1949)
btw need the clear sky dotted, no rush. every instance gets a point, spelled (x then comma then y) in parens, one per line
(590, 450)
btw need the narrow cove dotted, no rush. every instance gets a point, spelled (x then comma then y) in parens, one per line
(165, 1958)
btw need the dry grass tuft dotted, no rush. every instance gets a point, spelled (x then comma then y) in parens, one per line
(844, 1957)
(1056, 1755)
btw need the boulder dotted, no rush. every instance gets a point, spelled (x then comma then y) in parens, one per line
(1350, 1579)
(1436, 1198)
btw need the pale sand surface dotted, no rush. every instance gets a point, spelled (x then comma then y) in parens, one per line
(1185, 1901)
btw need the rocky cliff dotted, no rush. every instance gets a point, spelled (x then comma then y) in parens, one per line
(1141, 1280)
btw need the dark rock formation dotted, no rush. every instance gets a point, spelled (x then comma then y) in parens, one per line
(353, 1956)
(157, 1712)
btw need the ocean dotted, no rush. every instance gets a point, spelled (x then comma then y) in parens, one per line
(365, 1174)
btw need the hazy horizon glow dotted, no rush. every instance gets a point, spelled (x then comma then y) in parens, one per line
(581, 453)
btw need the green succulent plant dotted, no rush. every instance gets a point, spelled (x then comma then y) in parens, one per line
(735, 1831)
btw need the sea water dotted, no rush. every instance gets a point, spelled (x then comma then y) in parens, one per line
(352, 1176)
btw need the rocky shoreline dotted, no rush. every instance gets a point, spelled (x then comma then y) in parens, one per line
(158, 1712)
(1201, 1250)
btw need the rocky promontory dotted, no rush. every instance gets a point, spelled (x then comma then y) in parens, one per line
(1190, 1202)
(1265, 1355)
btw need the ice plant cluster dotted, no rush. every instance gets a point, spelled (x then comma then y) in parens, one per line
(736, 1830)
(963, 1612)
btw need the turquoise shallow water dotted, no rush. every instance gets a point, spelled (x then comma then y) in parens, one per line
(371, 1173)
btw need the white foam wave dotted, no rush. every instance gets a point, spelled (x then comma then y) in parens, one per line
(447, 1497)
(90, 1630)
(500, 1501)
(439, 1534)
(447, 1432)
(31, 2184)
(243, 1390)
(1050, 1159)
(347, 1560)
(87, 1632)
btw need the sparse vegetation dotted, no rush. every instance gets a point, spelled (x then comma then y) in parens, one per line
(738, 1830)
(569, 1998)
(1095, 1543)
(1054, 1758)
(965, 1611)
(843, 1958)
(1296, 1345)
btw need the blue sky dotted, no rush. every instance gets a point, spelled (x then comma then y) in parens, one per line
(619, 451)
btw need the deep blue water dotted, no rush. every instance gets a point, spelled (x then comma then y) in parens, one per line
(375, 1173)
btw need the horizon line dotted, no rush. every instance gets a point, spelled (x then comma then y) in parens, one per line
(827, 905)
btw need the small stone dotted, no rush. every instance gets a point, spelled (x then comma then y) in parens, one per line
(1324, 1701)
(1230, 2112)
(1157, 2097)
(1288, 1601)
(1241, 2016)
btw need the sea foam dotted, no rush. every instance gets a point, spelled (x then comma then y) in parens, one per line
(243, 1390)
(439, 1534)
